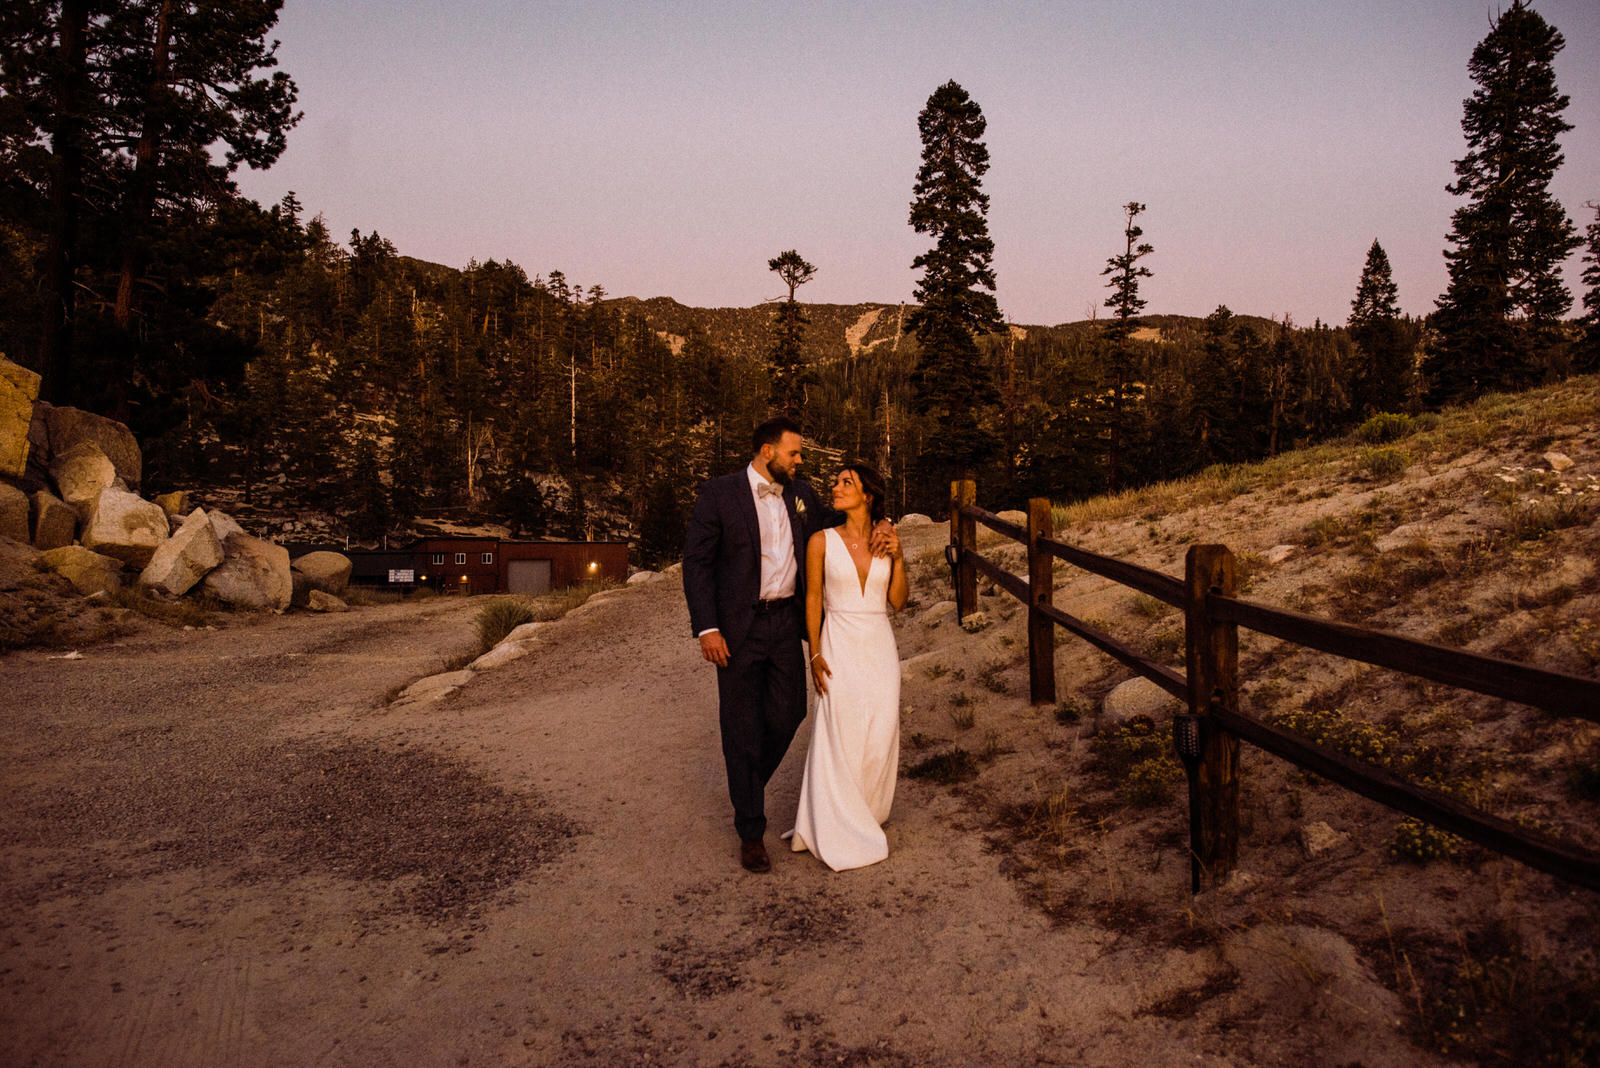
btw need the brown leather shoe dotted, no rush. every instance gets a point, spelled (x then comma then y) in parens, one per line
(753, 855)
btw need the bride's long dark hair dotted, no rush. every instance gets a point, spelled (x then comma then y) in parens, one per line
(873, 485)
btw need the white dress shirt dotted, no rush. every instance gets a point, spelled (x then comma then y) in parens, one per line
(777, 540)
(778, 569)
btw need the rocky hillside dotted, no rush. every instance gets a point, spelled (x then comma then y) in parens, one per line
(836, 331)
(1480, 529)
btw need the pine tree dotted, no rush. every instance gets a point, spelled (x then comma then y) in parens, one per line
(1499, 321)
(1586, 357)
(1382, 377)
(1125, 271)
(952, 387)
(784, 363)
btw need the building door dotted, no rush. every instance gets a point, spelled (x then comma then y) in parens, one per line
(528, 576)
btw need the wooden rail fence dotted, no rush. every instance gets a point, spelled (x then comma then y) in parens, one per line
(1207, 736)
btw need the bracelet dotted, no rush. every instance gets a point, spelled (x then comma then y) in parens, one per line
(814, 657)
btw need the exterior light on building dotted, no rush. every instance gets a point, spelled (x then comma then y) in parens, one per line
(594, 565)
(424, 578)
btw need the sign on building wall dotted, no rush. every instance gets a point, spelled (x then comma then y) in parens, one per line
(402, 574)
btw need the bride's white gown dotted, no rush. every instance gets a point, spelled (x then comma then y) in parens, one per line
(855, 740)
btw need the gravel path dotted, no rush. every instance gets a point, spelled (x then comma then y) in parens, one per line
(228, 848)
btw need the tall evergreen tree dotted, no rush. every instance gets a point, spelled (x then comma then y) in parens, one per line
(1121, 362)
(785, 364)
(125, 119)
(1586, 358)
(1382, 377)
(952, 386)
(1498, 322)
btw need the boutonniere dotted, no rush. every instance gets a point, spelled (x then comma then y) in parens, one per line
(800, 508)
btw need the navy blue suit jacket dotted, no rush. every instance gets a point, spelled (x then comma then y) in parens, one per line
(722, 551)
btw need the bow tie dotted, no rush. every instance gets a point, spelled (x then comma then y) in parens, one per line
(769, 489)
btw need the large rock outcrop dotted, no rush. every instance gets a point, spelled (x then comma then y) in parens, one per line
(13, 513)
(89, 572)
(19, 387)
(54, 521)
(124, 525)
(185, 558)
(254, 573)
(82, 473)
(71, 427)
(326, 571)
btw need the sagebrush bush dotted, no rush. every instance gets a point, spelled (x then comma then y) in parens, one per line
(1384, 428)
(1384, 462)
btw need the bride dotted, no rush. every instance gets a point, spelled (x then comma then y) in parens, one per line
(855, 742)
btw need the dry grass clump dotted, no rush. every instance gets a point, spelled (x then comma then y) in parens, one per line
(1489, 998)
(500, 617)
(195, 610)
(949, 767)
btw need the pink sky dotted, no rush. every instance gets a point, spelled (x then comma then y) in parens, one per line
(671, 149)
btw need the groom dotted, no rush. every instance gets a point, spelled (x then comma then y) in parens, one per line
(744, 572)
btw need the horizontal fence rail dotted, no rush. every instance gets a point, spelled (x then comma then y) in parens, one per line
(1550, 690)
(1503, 836)
(1208, 736)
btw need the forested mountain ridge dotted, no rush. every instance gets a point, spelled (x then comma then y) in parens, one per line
(302, 376)
(834, 331)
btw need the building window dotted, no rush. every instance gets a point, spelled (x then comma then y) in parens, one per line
(488, 558)
(438, 558)
(461, 558)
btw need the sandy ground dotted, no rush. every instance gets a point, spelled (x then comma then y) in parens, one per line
(230, 847)
(236, 847)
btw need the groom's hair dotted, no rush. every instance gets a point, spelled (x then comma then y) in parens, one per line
(873, 484)
(773, 430)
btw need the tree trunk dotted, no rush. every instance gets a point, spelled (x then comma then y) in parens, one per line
(66, 143)
(142, 195)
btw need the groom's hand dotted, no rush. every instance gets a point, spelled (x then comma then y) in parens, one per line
(714, 648)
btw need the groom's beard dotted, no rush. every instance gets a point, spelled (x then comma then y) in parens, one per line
(780, 475)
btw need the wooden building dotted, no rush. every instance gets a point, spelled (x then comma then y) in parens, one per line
(459, 565)
(488, 565)
(535, 567)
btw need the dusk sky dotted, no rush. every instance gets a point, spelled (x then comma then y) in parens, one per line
(671, 149)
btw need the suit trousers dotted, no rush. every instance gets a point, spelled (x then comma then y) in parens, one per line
(762, 698)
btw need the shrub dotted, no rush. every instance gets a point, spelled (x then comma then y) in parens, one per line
(1420, 843)
(1357, 738)
(1385, 462)
(1150, 782)
(1384, 428)
(1117, 751)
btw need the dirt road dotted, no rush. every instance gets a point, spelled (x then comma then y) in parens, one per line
(229, 848)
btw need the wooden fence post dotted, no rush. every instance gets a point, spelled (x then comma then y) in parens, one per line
(1213, 663)
(1041, 590)
(964, 536)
